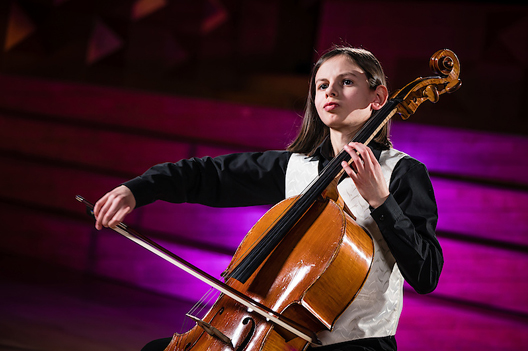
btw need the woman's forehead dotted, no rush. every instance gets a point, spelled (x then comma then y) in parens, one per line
(339, 65)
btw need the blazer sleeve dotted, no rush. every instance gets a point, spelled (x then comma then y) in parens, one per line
(241, 179)
(407, 221)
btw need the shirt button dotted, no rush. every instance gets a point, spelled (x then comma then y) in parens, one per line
(382, 218)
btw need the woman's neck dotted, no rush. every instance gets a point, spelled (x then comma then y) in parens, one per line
(339, 140)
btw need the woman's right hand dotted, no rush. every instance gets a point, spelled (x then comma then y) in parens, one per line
(113, 207)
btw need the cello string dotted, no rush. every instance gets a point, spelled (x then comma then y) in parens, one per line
(264, 235)
(196, 310)
(212, 294)
(277, 228)
(257, 251)
(278, 225)
(202, 302)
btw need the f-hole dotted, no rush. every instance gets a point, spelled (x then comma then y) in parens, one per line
(249, 335)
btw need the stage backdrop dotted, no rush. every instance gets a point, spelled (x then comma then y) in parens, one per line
(93, 93)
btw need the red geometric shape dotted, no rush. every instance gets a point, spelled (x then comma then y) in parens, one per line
(174, 54)
(215, 15)
(19, 27)
(143, 8)
(103, 42)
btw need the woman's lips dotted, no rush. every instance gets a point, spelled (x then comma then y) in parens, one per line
(330, 106)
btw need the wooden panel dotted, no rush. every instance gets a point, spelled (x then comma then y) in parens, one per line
(221, 228)
(472, 273)
(429, 324)
(59, 309)
(101, 149)
(213, 151)
(466, 153)
(49, 186)
(122, 260)
(215, 121)
(443, 150)
(482, 211)
(217, 229)
(76, 244)
(52, 238)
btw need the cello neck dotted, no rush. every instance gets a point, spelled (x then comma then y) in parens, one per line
(254, 258)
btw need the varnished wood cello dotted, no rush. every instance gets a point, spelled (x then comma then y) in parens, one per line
(280, 289)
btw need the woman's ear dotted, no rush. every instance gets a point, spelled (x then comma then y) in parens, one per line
(381, 94)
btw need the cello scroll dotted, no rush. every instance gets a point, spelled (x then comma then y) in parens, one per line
(444, 63)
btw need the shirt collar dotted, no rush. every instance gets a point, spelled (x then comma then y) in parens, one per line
(324, 151)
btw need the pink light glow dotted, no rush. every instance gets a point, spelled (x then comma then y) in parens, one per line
(464, 152)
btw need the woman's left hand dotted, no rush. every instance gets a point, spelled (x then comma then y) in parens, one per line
(366, 173)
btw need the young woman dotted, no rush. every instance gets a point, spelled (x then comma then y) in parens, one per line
(389, 192)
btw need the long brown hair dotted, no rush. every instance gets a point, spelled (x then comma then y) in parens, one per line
(313, 130)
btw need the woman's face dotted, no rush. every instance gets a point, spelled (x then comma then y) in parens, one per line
(343, 98)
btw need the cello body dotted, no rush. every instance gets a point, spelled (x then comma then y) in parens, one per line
(311, 278)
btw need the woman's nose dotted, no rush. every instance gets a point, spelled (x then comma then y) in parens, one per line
(331, 91)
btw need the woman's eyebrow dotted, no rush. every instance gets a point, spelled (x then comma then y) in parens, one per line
(348, 73)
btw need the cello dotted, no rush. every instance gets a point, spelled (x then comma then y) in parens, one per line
(279, 292)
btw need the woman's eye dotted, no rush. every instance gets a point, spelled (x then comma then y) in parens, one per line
(347, 82)
(323, 86)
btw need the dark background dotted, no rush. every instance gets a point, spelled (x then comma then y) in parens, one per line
(93, 92)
